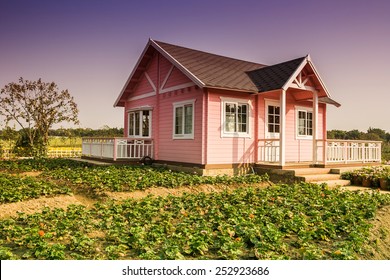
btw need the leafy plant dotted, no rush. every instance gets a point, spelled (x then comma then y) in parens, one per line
(14, 188)
(302, 221)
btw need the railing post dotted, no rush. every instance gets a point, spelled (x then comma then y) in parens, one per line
(346, 152)
(325, 151)
(315, 126)
(282, 133)
(115, 149)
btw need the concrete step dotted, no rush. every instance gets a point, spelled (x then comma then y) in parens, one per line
(340, 170)
(320, 177)
(311, 171)
(335, 183)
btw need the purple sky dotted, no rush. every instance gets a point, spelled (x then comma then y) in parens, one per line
(90, 47)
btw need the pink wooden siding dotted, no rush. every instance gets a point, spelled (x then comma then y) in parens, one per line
(176, 78)
(227, 150)
(142, 87)
(167, 148)
(180, 150)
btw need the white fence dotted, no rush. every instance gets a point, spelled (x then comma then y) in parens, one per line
(353, 151)
(117, 148)
(336, 151)
(51, 153)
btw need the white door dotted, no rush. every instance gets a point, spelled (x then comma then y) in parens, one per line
(272, 131)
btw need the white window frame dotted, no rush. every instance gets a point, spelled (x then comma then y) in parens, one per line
(140, 111)
(236, 102)
(306, 110)
(183, 135)
(275, 103)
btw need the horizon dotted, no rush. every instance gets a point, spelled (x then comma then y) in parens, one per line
(91, 47)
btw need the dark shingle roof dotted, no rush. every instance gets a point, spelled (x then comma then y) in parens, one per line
(274, 76)
(214, 70)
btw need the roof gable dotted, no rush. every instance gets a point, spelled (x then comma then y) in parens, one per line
(275, 76)
(209, 70)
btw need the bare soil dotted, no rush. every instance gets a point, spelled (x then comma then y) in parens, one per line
(380, 236)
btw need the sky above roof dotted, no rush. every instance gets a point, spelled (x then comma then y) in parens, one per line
(90, 47)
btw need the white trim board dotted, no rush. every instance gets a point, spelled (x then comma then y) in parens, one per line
(142, 96)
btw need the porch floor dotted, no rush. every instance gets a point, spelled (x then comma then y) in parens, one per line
(104, 162)
(298, 165)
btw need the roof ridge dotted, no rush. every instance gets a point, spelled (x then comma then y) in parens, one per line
(210, 53)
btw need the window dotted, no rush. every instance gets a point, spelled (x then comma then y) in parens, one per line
(273, 119)
(305, 123)
(183, 115)
(235, 118)
(139, 123)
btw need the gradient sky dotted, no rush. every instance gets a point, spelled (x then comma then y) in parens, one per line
(90, 47)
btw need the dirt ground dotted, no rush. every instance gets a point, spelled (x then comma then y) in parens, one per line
(379, 236)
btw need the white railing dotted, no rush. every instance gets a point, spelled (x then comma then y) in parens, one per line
(328, 151)
(117, 148)
(268, 150)
(353, 151)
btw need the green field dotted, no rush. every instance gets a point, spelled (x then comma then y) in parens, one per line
(245, 219)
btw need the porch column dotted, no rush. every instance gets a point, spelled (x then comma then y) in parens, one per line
(315, 125)
(282, 132)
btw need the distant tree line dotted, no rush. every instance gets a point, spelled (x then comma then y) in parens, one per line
(375, 134)
(104, 131)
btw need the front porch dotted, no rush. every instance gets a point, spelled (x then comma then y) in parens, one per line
(329, 152)
(117, 148)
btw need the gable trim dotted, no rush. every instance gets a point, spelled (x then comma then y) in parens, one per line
(176, 63)
(142, 96)
(150, 81)
(295, 74)
(132, 74)
(186, 85)
(166, 77)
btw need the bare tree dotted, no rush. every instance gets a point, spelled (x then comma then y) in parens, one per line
(36, 106)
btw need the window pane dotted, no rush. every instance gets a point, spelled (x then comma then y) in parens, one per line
(188, 119)
(242, 118)
(305, 123)
(145, 123)
(136, 124)
(273, 119)
(131, 124)
(179, 120)
(230, 117)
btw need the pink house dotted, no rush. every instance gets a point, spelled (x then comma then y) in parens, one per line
(192, 108)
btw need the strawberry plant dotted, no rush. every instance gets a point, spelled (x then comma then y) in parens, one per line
(130, 178)
(14, 188)
(302, 221)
